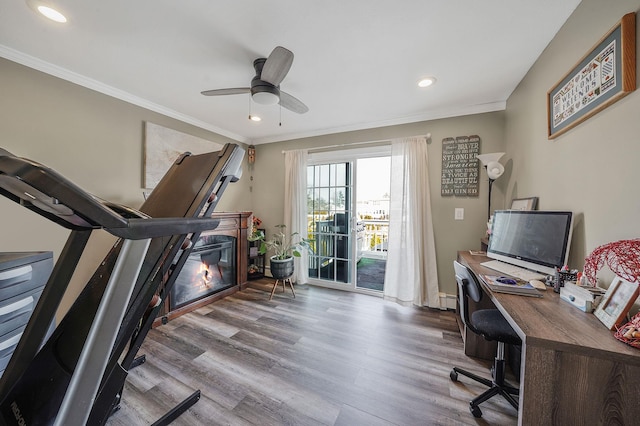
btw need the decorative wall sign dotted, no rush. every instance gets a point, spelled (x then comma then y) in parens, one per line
(163, 146)
(460, 166)
(604, 75)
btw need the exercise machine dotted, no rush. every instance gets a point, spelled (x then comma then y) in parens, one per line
(76, 375)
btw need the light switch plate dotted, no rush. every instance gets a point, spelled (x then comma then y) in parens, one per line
(459, 214)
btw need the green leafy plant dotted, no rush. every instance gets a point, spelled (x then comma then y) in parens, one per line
(285, 245)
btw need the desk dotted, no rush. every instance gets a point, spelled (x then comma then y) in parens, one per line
(574, 372)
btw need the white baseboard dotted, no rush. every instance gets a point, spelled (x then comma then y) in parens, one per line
(447, 301)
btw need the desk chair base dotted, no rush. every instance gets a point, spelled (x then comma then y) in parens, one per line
(284, 282)
(496, 386)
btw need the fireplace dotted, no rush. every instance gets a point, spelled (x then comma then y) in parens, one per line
(216, 267)
(210, 268)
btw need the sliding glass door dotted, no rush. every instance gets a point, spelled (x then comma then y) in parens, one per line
(329, 196)
(372, 211)
(347, 208)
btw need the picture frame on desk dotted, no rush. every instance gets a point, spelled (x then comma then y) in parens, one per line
(616, 302)
(524, 203)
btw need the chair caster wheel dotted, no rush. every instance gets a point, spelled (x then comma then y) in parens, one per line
(475, 410)
(453, 375)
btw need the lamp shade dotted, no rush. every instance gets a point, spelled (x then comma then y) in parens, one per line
(494, 170)
(488, 158)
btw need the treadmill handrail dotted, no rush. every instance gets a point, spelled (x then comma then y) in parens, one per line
(51, 195)
(139, 228)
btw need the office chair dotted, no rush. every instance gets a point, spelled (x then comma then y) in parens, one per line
(490, 324)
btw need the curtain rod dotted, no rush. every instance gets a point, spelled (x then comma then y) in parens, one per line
(319, 148)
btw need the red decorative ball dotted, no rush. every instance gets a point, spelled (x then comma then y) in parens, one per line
(622, 257)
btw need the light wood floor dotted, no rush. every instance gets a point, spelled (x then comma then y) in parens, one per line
(324, 358)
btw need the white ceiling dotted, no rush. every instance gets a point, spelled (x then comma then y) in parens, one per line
(356, 66)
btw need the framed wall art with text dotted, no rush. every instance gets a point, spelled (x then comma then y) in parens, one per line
(604, 75)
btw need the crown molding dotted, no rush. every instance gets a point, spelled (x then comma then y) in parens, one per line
(89, 83)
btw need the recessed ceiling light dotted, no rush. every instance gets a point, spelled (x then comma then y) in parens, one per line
(47, 10)
(426, 82)
(254, 118)
(52, 14)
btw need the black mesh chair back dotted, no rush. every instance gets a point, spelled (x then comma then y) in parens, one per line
(468, 288)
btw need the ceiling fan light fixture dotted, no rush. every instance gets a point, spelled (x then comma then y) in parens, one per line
(254, 118)
(264, 93)
(265, 89)
(266, 98)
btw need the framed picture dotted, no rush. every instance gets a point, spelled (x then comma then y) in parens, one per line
(604, 75)
(616, 302)
(524, 203)
(162, 146)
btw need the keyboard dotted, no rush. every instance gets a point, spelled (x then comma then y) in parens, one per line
(514, 271)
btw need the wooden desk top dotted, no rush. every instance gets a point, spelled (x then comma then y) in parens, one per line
(553, 323)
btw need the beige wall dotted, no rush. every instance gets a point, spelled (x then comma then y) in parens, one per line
(592, 169)
(92, 139)
(450, 235)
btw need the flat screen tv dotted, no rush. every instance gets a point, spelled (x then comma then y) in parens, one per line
(537, 240)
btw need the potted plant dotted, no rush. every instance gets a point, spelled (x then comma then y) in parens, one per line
(285, 247)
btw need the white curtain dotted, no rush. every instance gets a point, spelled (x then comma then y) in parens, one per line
(295, 205)
(411, 275)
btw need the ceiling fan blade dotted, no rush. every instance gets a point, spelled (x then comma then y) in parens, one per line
(232, 91)
(277, 66)
(292, 104)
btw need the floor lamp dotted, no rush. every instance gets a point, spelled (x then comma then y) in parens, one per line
(494, 171)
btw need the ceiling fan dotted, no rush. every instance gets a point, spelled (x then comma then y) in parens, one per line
(265, 86)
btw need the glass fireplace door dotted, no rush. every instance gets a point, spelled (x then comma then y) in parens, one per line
(210, 268)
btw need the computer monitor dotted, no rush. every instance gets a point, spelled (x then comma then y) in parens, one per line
(536, 240)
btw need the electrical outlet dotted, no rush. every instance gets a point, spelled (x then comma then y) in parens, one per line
(459, 214)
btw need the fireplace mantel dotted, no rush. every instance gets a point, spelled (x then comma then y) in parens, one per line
(232, 224)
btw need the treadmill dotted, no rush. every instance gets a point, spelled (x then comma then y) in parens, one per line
(76, 375)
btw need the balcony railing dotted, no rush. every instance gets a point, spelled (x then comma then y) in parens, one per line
(373, 238)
